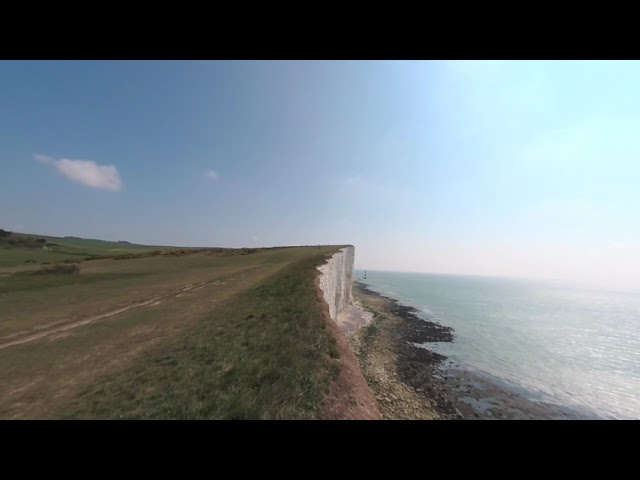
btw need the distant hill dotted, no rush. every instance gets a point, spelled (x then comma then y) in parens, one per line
(28, 248)
(19, 248)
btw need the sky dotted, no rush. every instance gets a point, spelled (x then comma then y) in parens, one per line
(502, 168)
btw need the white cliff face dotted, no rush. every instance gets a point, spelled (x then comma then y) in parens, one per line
(336, 285)
(335, 281)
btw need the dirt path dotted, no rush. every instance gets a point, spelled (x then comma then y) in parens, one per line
(51, 329)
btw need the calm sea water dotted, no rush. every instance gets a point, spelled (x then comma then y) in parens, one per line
(551, 342)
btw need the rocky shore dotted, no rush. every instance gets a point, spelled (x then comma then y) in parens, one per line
(410, 381)
(401, 375)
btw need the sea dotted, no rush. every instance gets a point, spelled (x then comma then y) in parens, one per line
(548, 341)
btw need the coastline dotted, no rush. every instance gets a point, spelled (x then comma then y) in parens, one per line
(412, 382)
(401, 375)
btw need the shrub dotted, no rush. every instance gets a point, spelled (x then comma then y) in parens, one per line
(55, 269)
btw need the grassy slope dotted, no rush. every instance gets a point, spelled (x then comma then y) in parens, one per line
(81, 242)
(250, 343)
(61, 249)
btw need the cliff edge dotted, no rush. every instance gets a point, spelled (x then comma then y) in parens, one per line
(349, 397)
(336, 282)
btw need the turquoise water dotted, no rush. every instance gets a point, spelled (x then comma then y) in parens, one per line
(552, 342)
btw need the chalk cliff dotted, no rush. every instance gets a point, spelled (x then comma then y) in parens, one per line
(336, 283)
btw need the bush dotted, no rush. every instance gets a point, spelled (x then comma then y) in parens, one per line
(55, 269)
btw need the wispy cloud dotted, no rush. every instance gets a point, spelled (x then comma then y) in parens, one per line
(211, 175)
(86, 172)
(44, 159)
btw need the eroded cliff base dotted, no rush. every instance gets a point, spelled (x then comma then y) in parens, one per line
(349, 396)
(354, 318)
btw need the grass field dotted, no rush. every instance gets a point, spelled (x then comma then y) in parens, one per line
(18, 249)
(219, 333)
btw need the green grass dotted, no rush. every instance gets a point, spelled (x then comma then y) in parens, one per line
(55, 269)
(250, 342)
(86, 243)
(263, 355)
(29, 283)
(18, 249)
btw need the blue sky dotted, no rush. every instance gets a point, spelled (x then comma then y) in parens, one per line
(513, 168)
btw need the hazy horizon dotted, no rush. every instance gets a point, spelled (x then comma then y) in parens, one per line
(520, 169)
(557, 281)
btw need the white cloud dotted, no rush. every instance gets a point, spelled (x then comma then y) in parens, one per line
(43, 158)
(211, 175)
(86, 172)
